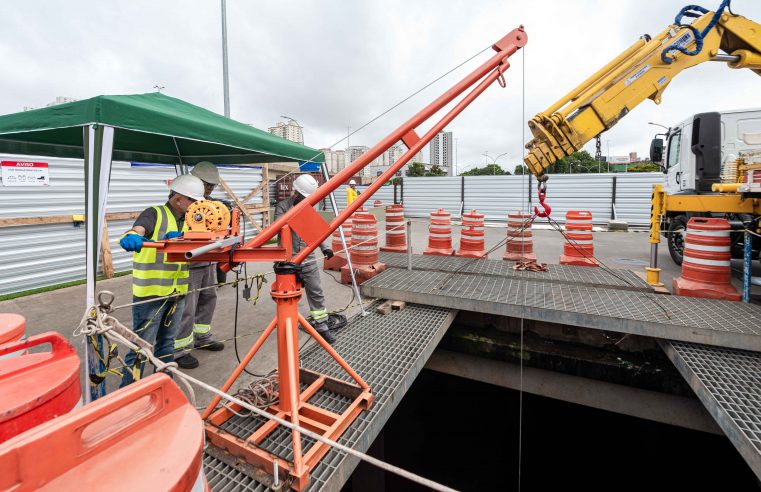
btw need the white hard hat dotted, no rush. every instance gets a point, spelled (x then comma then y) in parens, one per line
(352, 182)
(305, 185)
(188, 185)
(207, 172)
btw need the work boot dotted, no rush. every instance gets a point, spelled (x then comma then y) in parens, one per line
(328, 336)
(187, 361)
(212, 345)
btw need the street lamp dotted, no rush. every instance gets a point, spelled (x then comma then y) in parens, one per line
(494, 160)
(658, 124)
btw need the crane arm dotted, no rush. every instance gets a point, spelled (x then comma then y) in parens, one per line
(642, 71)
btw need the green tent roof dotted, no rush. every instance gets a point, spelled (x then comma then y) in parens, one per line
(150, 127)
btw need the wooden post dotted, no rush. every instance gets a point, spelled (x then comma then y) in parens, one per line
(107, 260)
(240, 204)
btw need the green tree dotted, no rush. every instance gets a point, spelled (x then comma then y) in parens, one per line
(489, 170)
(416, 169)
(520, 169)
(436, 171)
(644, 167)
(578, 162)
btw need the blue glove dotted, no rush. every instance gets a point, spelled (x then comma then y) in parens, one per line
(132, 242)
(172, 234)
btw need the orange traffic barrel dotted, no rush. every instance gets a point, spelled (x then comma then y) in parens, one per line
(472, 243)
(377, 203)
(364, 249)
(579, 249)
(396, 236)
(36, 387)
(12, 327)
(339, 256)
(706, 269)
(520, 240)
(145, 436)
(440, 234)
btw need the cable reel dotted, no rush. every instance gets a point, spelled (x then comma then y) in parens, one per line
(208, 216)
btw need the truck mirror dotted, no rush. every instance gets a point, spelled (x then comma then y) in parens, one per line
(656, 150)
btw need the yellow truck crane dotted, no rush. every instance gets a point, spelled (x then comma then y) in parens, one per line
(643, 71)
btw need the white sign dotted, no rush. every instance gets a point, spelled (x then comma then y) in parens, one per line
(20, 173)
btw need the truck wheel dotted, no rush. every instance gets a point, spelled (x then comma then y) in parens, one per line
(675, 238)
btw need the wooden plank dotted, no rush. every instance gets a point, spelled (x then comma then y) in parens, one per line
(59, 219)
(107, 260)
(256, 190)
(240, 204)
(384, 308)
(266, 194)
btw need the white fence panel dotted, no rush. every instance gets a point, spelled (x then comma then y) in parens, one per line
(425, 195)
(633, 192)
(496, 196)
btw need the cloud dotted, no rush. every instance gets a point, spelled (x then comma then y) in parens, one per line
(333, 64)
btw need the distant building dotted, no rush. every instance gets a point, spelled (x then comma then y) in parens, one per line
(335, 160)
(58, 100)
(440, 150)
(620, 163)
(290, 131)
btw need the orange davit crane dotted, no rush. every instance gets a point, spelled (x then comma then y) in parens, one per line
(286, 289)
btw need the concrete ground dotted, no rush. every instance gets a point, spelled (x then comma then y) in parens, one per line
(61, 310)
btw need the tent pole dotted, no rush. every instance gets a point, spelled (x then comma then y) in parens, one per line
(98, 143)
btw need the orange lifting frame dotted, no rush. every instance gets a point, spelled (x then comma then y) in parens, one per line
(286, 290)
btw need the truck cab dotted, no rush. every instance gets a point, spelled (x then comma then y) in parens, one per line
(697, 148)
(695, 154)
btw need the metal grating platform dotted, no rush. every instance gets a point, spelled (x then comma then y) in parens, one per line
(560, 274)
(727, 383)
(388, 352)
(711, 322)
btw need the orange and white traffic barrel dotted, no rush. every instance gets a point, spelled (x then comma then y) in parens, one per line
(706, 269)
(339, 257)
(145, 436)
(12, 328)
(440, 234)
(396, 236)
(36, 387)
(520, 240)
(579, 249)
(472, 243)
(377, 203)
(364, 249)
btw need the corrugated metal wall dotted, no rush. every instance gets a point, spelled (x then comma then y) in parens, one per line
(50, 254)
(38, 256)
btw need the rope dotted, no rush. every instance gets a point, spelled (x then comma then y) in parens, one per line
(385, 112)
(692, 11)
(102, 323)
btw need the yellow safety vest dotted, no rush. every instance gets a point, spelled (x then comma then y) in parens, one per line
(152, 275)
(351, 195)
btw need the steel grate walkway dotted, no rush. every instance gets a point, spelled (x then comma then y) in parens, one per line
(727, 383)
(388, 352)
(563, 274)
(710, 322)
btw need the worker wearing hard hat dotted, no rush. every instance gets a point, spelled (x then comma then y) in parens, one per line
(195, 327)
(156, 318)
(304, 186)
(351, 192)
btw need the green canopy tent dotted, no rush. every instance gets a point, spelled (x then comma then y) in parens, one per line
(149, 127)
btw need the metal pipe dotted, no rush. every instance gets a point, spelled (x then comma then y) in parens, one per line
(332, 197)
(726, 58)
(409, 245)
(747, 266)
(222, 243)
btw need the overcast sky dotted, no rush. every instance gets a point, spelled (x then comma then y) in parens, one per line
(333, 64)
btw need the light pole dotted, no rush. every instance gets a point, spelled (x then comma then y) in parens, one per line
(456, 157)
(658, 124)
(607, 142)
(225, 77)
(494, 161)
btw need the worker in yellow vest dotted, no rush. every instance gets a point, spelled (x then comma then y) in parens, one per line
(351, 192)
(153, 279)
